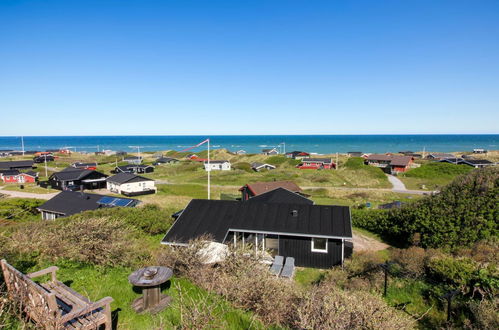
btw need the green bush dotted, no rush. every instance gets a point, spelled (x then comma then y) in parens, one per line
(438, 170)
(19, 208)
(276, 160)
(150, 219)
(354, 163)
(243, 166)
(464, 212)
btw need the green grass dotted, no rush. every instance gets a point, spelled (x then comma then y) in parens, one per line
(29, 188)
(411, 294)
(308, 276)
(97, 283)
(433, 175)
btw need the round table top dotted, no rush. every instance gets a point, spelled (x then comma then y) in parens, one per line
(150, 276)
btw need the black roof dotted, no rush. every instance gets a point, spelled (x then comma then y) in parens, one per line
(166, 160)
(217, 161)
(9, 172)
(72, 173)
(126, 178)
(31, 173)
(477, 161)
(281, 195)
(131, 167)
(216, 217)
(72, 202)
(15, 164)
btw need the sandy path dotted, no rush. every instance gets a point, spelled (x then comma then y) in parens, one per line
(364, 243)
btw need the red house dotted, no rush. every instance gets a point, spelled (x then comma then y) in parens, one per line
(14, 176)
(317, 164)
(391, 164)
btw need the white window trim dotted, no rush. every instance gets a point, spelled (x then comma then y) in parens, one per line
(313, 249)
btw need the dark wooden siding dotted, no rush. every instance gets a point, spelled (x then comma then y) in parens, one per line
(300, 249)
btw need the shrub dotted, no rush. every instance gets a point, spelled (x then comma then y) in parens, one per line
(412, 260)
(451, 271)
(464, 212)
(484, 314)
(276, 160)
(96, 241)
(150, 218)
(19, 208)
(327, 307)
(243, 166)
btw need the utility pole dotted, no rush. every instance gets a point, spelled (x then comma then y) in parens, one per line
(424, 149)
(448, 296)
(22, 144)
(337, 164)
(46, 174)
(209, 170)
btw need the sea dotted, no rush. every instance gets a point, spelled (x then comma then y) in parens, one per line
(317, 144)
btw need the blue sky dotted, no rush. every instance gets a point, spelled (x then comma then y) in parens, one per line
(248, 67)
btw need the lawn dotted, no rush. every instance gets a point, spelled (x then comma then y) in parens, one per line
(97, 283)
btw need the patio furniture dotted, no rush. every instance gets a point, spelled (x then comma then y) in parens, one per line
(150, 280)
(53, 305)
(289, 268)
(277, 265)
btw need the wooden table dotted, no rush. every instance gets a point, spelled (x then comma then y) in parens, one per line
(150, 280)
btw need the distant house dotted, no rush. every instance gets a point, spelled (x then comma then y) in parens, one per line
(297, 154)
(257, 167)
(217, 165)
(17, 165)
(195, 158)
(44, 153)
(6, 152)
(67, 203)
(14, 176)
(240, 152)
(136, 169)
(72, 178)
(130, 184)
(316, 236)
(479, 151)
(257, 188)
(43, 159)
(439, 156)
(270, 152)
(133, 160)
(316, 163)
(165, 160)
(86, 166)
(476, 163)
(355, 153)
(390, 164)
(281, 195)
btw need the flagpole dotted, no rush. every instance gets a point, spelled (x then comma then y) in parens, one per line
(209, 169)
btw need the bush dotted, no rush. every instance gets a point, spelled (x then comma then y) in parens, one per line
(464, 212)
(19, 208)
(276, 160)
(96, 241)
(150, 218)
(243, 166)
(412, 260)
(438, 170)
(327, 307)
(484, 313)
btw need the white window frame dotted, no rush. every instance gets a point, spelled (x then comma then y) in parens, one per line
(312, 246)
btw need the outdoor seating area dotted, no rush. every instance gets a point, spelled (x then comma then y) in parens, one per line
(281, 268)
(53, 305)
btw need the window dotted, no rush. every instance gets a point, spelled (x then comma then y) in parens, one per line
(319, 245)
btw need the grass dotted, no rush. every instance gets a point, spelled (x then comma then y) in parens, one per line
(29, 188)
(306, 277)
(433, 175)
(409, 295)
(97, 283)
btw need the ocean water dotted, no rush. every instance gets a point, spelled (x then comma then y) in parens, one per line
(321, 144)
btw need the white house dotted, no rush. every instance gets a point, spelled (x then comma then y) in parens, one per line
(130, 184)
(261, 166)
(217, 165)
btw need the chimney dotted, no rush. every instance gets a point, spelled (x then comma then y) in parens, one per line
(294, 213)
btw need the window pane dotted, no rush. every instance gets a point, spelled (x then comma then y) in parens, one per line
(320, 243)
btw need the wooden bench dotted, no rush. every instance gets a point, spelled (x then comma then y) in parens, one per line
(53, 305)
